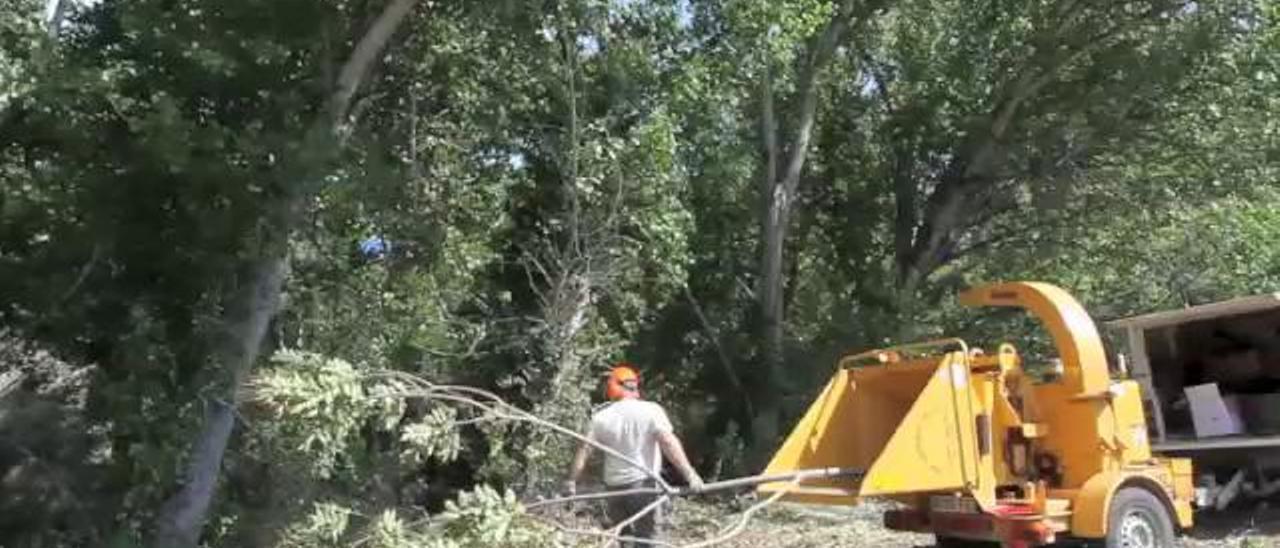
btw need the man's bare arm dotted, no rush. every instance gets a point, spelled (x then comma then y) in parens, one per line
(584, 452)
(674, 450)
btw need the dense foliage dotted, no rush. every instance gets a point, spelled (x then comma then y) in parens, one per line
(225, 224)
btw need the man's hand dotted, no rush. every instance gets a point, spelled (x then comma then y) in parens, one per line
(674, 450)
(695, 484)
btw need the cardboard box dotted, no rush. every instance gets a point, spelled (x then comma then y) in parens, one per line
(1211, 413)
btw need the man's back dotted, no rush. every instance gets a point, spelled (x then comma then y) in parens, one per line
(641, 432)
(630, 427)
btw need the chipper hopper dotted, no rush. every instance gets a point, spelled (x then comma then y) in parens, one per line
(972, 449)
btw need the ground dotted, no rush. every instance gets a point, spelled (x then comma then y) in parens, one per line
(797, 526)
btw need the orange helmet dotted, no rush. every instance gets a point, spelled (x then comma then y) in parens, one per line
(622, 378)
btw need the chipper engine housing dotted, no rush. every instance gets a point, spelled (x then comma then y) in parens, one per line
(974, 449)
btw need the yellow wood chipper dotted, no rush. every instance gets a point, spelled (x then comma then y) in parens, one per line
(975, 450)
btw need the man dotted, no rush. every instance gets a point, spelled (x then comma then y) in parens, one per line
(637, 429)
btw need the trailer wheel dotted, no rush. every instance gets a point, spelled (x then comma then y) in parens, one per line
(1138, 520)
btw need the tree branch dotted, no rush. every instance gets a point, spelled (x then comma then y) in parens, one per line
(807, 92)
(490, 403)
(972, 167)
(362, 58)
(56, 17)
(984, 243)
(85, 270)
(570, 178)
(729, 372)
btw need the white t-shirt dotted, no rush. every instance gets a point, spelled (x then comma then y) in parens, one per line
(630, 427)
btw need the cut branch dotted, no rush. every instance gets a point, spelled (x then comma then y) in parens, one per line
(496, 407)
(617, 529)
(738, 527)
(713, 487)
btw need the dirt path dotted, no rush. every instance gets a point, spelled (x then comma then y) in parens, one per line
(798, 526)
(1239, 529)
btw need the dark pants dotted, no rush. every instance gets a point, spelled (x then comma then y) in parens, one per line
(620, 509)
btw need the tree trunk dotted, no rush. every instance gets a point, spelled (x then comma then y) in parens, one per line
(784, 166)
(250, 311)
(57, 14)
(768, 397)
(773, 213)
(254, 305)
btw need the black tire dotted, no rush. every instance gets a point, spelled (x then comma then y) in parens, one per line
(1138, 519)
(952, 542)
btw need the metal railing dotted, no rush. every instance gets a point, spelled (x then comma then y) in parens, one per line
(879, 353)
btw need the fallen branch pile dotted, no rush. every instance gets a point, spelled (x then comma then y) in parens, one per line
(487, 406)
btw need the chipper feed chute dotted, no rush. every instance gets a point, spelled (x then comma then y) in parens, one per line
(974, 448)
(908, 426)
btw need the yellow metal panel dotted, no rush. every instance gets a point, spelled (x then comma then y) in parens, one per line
(1183, 483)
(1092, 502)
(1183, 512)
(928, 451)
(848, 425)
(1089, 508)
(1092, 435)
(810, 445)
(1129, 425)
(908, 425)
(1183, 489)
(1073, 331)
(1073, 427)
